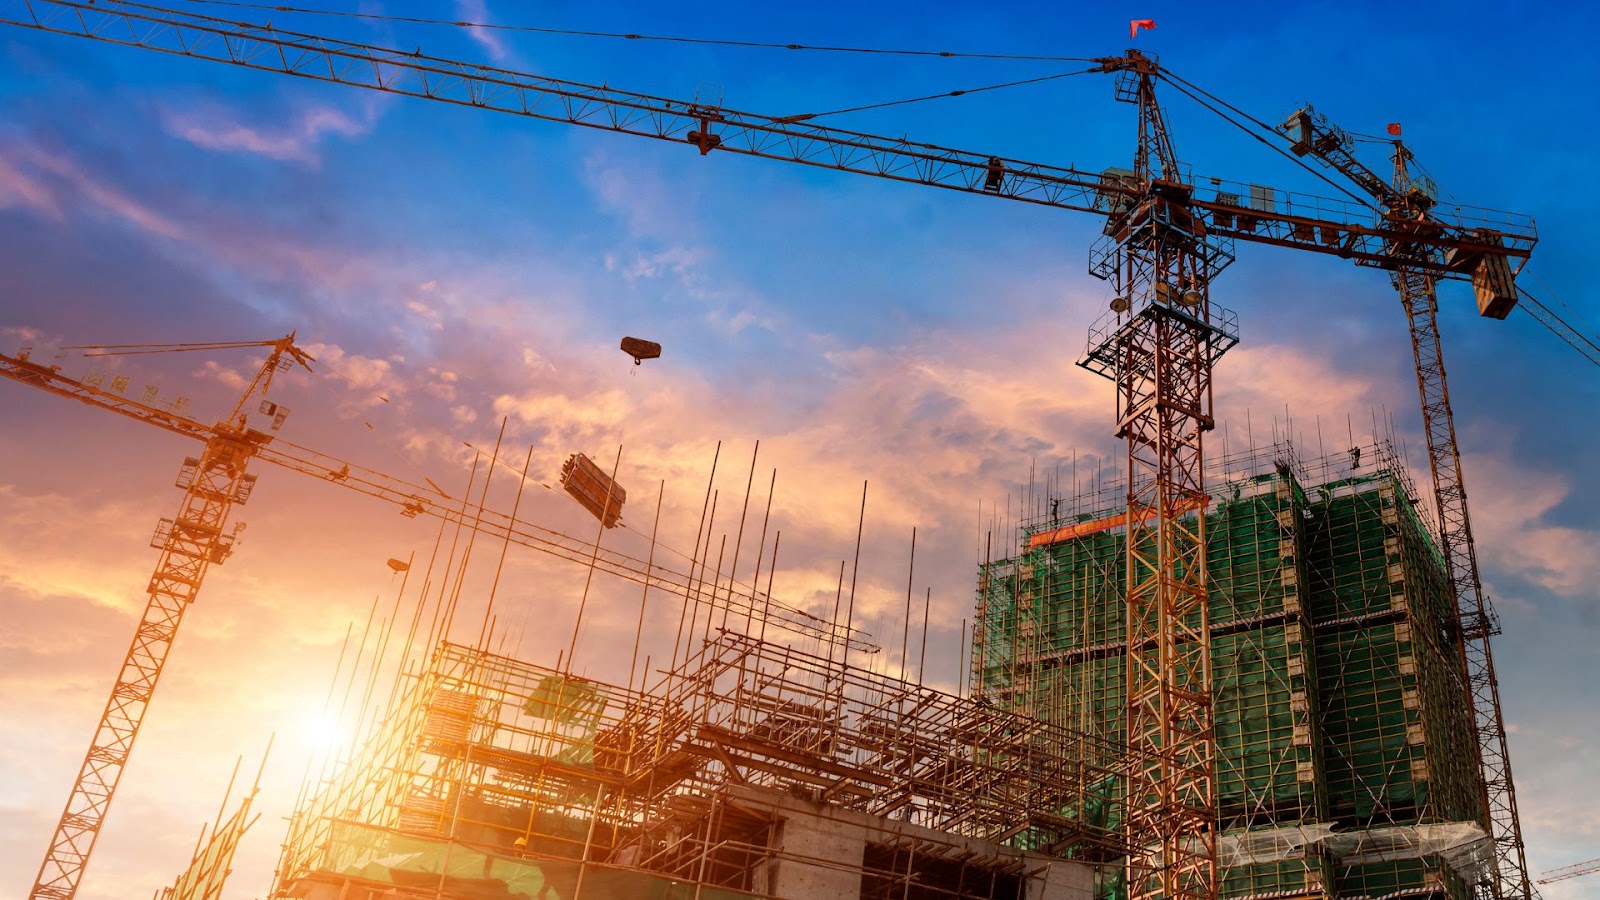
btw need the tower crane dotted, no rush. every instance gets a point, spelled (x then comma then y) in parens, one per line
(1409, 202)
(1167, 235)
(197, 538)
(1573, 871)
(190, 543)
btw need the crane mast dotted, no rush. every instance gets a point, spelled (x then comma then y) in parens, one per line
(1475, 615)
(190, 543)
(1408, 202)
(1158, 344)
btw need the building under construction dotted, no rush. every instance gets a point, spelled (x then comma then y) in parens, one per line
(748, 770)
(1345, 760)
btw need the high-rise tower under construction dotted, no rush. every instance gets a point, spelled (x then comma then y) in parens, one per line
(1346, 765)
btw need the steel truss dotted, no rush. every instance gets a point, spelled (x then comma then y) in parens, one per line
(1477, 620)
(1161, 352)
(190, 543)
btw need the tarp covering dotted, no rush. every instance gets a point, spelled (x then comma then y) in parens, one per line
(571, 701)
(1465, 846)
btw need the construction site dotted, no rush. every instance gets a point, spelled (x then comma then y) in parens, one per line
(1212, 669)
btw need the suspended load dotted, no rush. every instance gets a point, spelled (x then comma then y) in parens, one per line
(640, 349)
(591, 486)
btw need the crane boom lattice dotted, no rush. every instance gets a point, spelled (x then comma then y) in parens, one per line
(190, 543)
(1232, 210)
(1476, 617)
(1588, 867)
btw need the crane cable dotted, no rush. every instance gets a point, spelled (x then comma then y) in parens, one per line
(956, 93)
(676, 39)
(1559, 327)
(1544, 315)
(1190, 90)
(157, 13)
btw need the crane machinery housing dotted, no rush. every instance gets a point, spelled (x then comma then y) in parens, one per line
(1167, 235)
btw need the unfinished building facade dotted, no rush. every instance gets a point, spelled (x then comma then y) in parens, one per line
(1345, 762)
(751, 770)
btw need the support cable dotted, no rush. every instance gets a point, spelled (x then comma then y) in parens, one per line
(1551, 293)
(956, 93)
(674, 39)
(1189, 90)
(1559, 327)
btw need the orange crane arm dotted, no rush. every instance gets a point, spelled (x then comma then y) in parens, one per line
(414, 500)
(1455, 239)
(49, 378)
(1573, 871)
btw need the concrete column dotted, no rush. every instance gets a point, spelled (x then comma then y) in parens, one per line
(1063, 881)
(819, 858)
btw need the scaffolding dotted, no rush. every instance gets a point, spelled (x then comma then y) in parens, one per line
(1345, 761)
(495, 777)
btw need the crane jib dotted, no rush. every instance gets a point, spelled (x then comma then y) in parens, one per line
(1260, 215)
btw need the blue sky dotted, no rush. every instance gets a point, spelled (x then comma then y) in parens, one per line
(469, 266)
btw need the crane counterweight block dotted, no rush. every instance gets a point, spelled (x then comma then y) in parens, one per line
(1494, 286)
(1493, 282)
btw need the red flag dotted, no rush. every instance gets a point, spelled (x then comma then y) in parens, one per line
(1394, 128)
(1135, 24)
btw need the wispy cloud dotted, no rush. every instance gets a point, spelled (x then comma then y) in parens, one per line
(51, 183)
(35, 534)
(22, 189)
(296, 140)
(658, 215)
(477, 11)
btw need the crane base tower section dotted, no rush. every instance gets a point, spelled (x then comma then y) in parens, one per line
(1346, 764)
(750, 771)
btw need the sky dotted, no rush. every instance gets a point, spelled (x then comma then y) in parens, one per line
(452, 269)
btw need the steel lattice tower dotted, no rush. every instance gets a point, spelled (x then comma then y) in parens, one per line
(1159, 346)
(190, 543)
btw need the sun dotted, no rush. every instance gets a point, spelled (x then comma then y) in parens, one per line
(323, 732)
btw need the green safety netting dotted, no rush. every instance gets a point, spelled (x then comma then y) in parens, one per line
(472, 873)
